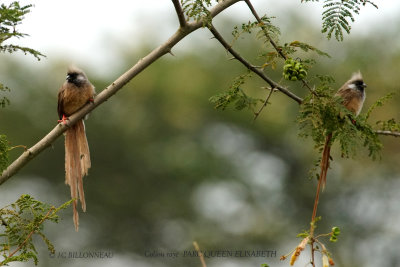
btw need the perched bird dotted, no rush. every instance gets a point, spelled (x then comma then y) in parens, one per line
(73, 95)
(353, 95)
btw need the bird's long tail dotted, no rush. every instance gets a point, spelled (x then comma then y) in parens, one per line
(77, 164)
(322, 177)
(325, 160)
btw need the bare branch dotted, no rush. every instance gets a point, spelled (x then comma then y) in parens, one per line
(109, 91)
(395, 134)
(253, 68)
(179, 13)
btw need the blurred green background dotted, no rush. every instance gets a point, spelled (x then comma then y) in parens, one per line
(168, 169)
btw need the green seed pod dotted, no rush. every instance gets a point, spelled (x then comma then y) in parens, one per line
(287, 66)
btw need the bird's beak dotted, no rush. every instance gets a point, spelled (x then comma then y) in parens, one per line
(364, 85)
(68, 76)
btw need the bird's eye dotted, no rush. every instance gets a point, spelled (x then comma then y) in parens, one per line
(359, 83)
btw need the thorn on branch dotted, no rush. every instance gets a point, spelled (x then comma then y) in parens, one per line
(29, 151)
(269, 88)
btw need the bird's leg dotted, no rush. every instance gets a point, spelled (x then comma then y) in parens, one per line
(63, 120)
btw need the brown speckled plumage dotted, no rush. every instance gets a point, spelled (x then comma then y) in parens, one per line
(353, 93)
(73, 95)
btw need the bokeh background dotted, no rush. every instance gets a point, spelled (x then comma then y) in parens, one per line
(168, 169)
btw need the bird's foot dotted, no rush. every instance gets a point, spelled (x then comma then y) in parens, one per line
(63, 120)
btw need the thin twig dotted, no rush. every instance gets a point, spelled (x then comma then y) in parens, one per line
(271, 90)
(179, 13)
(395, 134)
(201, 256)
(312, 252)
(322, 235)
(110, 90)
(257, 71)
(271, 41)
(21, 146)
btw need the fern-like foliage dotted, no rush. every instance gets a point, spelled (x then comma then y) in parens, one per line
(389, 125)
(3, 152)
(235, 95)
(338, 13)
(265, 30)
(10, 17)
(272, 53)
(197, 10)
(325, 113)
(4, 101)
(20, 221)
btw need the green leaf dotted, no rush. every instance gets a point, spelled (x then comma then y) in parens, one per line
(306, 47)
(197, 10)
(379, 103)
(4, 100)
(20, 221)
(336, 16)
(10, 17)
(303, 234)
(4, 148)
(323, 113)
(235, 95)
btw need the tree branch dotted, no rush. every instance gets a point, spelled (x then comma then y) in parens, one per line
(109, 91)
(179, 13)
(254, 12)
(272, 42)
(395, 134)
(253, 68)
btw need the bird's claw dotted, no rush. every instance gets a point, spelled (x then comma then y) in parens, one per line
(63, 120)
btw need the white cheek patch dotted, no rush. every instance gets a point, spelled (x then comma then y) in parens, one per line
(80, 78)
(352, 86)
